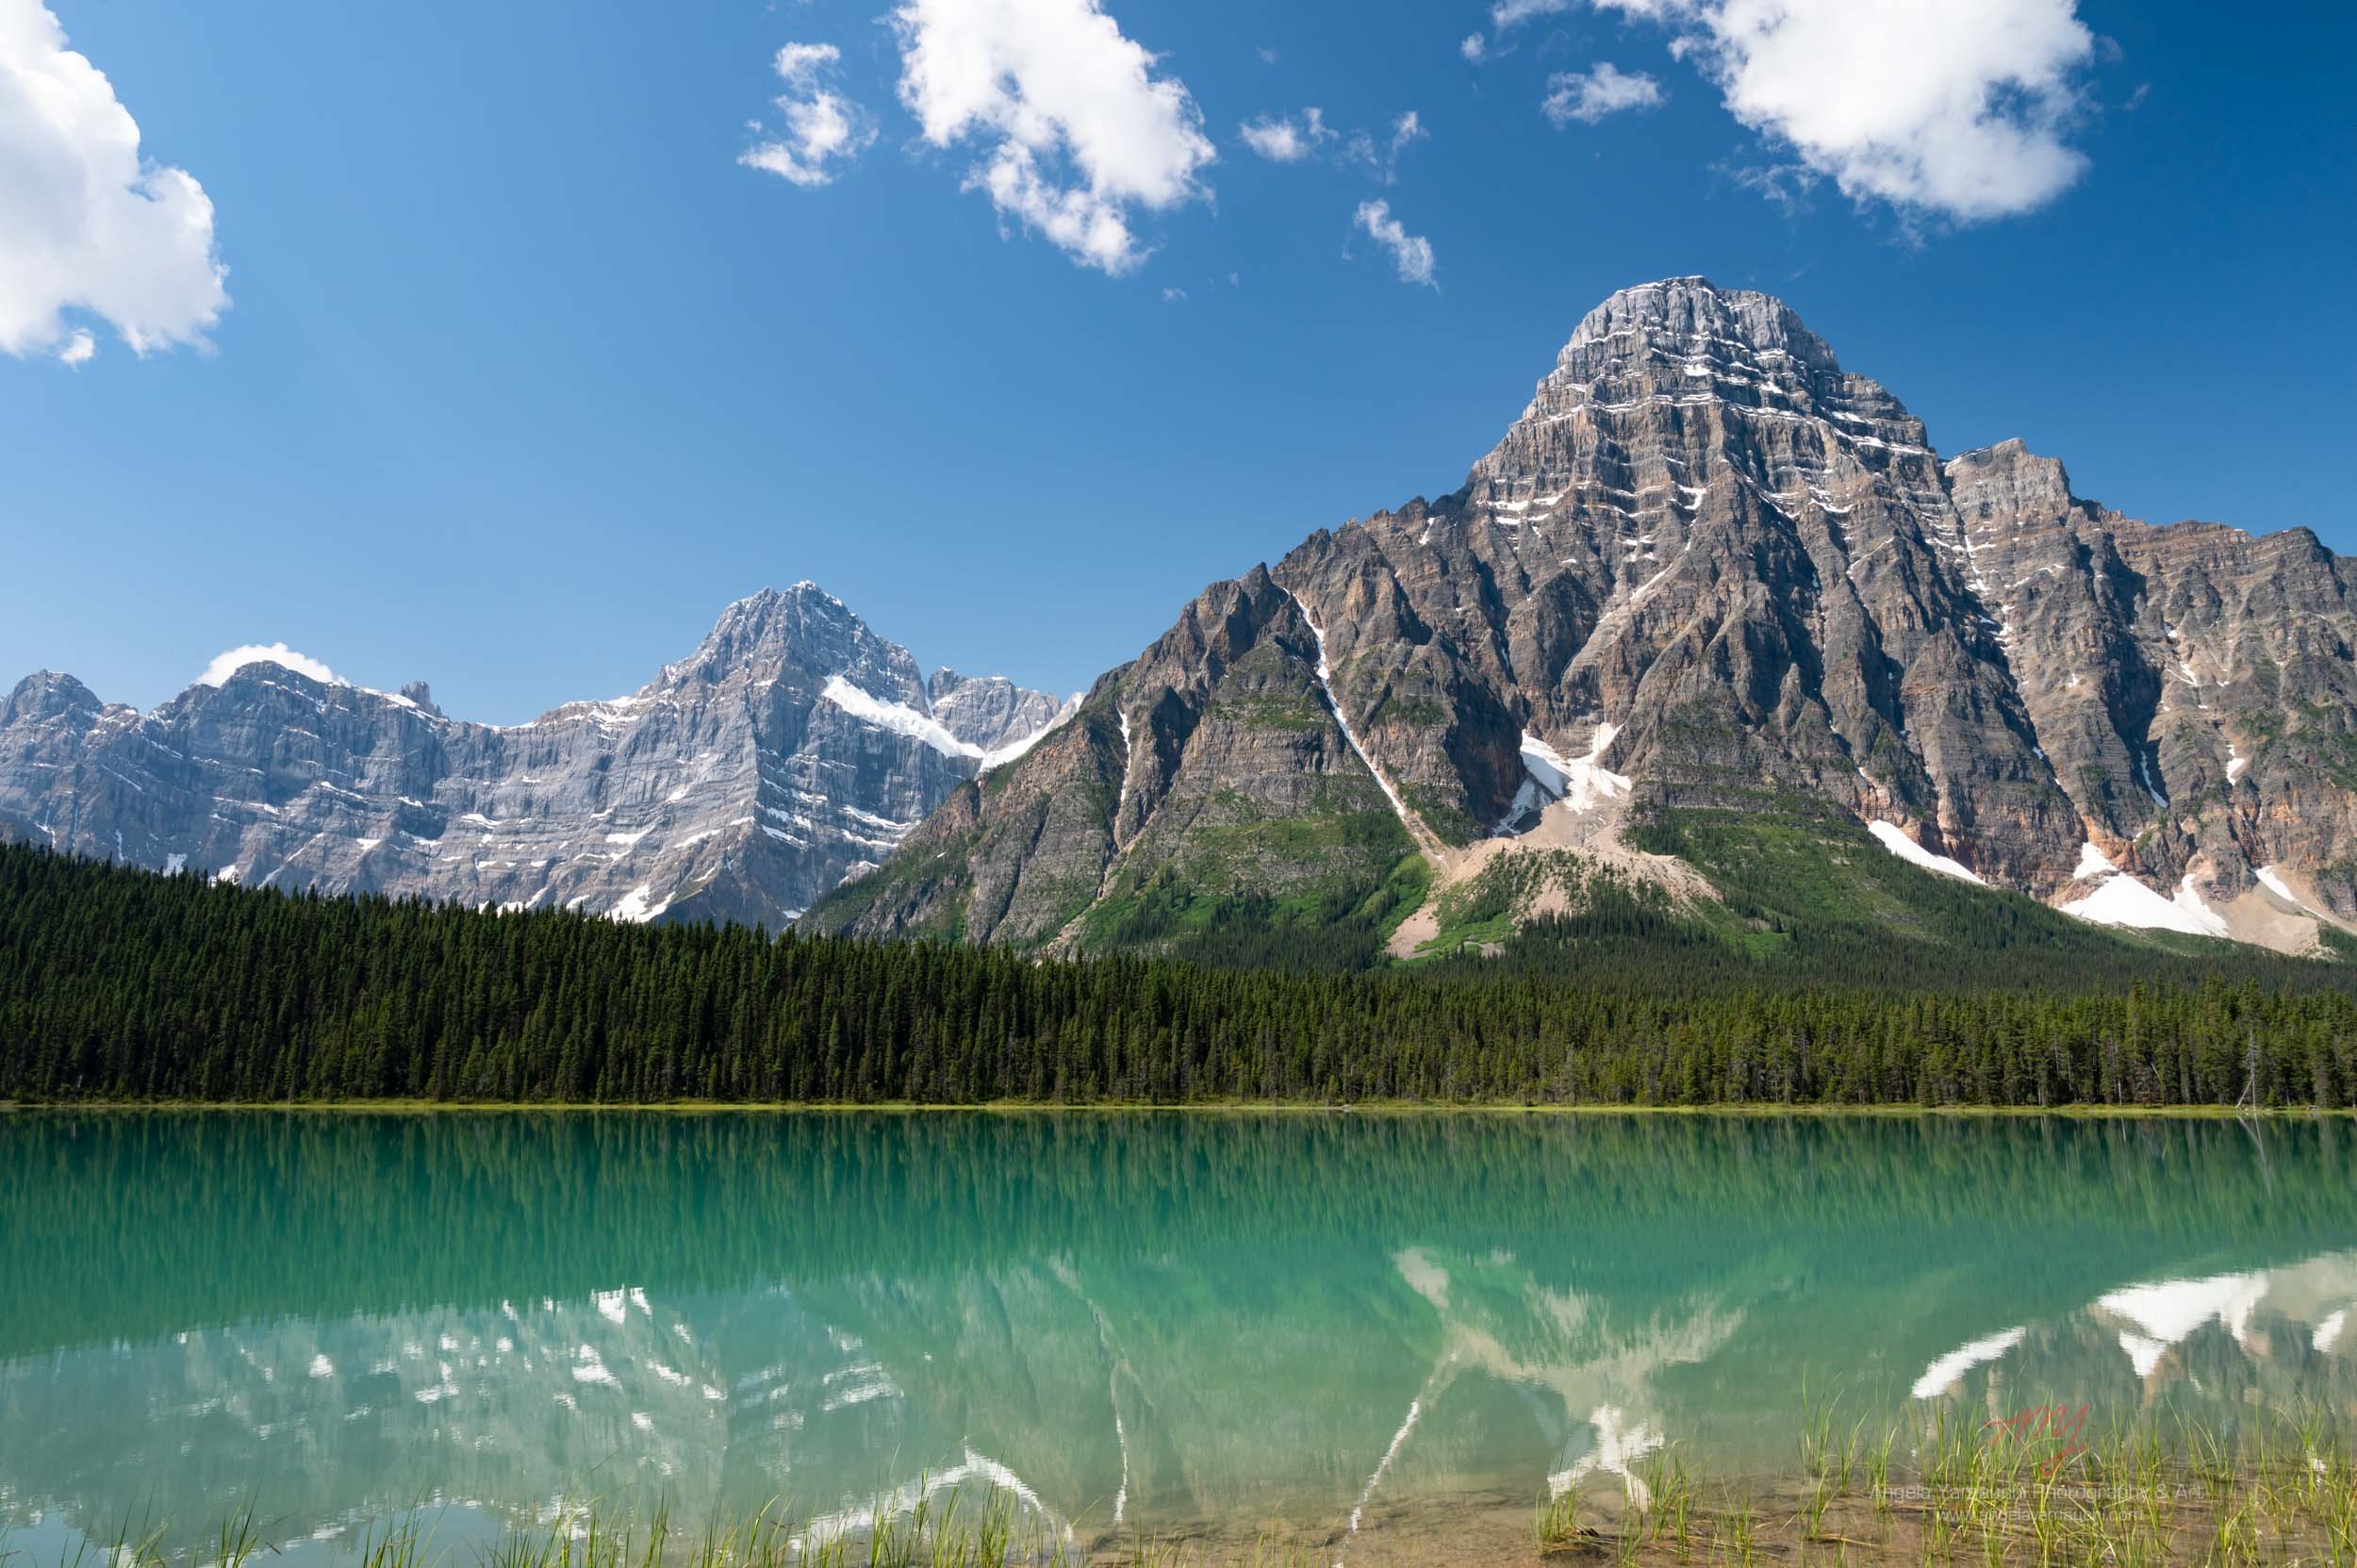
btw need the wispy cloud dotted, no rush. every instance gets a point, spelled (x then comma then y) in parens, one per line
(1785, 186)
(821, 127)
(1513, 14)
(1411, 253)
(1287, 139)
(1406, 132)
(1589, 95)
(1297, 137)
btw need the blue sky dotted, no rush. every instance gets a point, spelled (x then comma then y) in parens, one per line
(520, 368)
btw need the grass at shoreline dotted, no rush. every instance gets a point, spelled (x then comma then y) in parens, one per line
(1191, 1108)
(2038, 1487)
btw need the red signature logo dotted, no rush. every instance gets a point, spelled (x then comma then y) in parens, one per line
(2057, 1424)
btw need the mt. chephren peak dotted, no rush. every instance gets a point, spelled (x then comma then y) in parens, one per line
(1707, 570)
(793, 748)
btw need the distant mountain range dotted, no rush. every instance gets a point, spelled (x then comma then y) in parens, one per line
(1712, 598)
(794, 747)
(1713, 623)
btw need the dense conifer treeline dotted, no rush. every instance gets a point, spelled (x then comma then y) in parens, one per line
(120, 984)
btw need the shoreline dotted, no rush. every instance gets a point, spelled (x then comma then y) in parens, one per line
(1729, 1110)
(2033, 1489)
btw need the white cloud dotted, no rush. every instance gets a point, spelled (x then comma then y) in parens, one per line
(798, 64)
(1785, 186)
(1587, 96)
(1285, 140)
(1292, 139)
(819, 124)
(1511, 13)
(1278, 140)
(80, 349)
(1954, 108)
(1406, 130)
(228, 663)
(87, 224)
(1080, 130)
(1476, 48)
(1412, 252)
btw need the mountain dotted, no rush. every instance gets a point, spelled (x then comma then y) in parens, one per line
(793, 748)
(1712, 595)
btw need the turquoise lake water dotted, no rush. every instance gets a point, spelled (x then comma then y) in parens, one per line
(1234, 1322)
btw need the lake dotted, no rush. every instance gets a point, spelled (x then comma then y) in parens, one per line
(1237, 1326)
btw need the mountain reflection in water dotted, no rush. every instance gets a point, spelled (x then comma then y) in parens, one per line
(1141, 1321)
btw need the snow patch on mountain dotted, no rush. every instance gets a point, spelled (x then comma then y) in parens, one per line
(1549, 776)
(1000, 756)
(897, 717)
(1895, 839)
(902, 720)
(2123, 901)
(639, 906)
(2271, 878)
(1325, 682)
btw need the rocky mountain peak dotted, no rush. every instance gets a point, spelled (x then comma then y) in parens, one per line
(802, 632)
(46, 694)
(1694, 311)
(1709, 570)
(263, 685)
(1679, 374)
(792, 748)
(2010, 482)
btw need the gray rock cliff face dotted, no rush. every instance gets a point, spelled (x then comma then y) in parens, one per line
(2193, 686)
(793, 748)
(1215, 760)
(988, 710)
(1711, 561)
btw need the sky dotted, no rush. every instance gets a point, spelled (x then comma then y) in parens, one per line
(501, 346)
